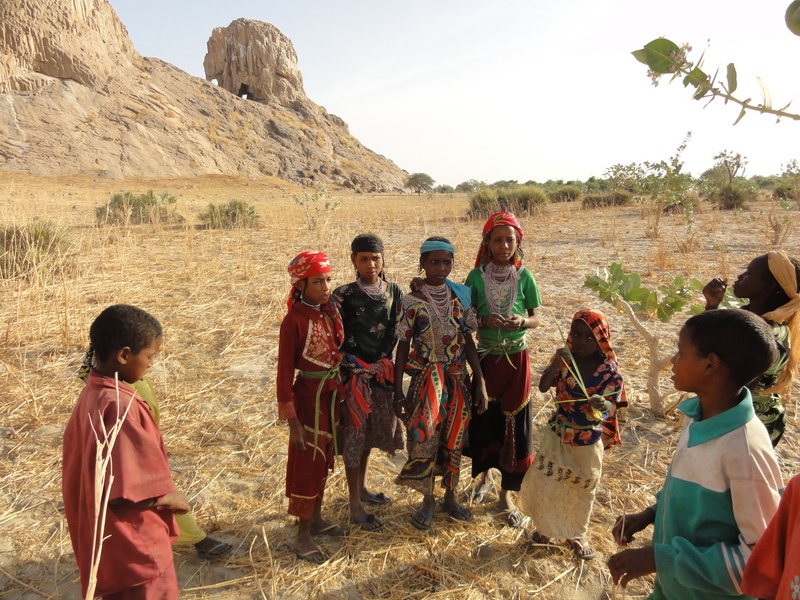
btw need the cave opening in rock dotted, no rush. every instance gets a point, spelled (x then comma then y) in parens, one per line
(244, 91)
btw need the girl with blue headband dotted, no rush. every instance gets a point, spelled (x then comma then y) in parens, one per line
(435, 344)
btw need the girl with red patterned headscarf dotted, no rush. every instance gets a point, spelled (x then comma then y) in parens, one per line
(308, 389)
(558, 490)
(505, 296)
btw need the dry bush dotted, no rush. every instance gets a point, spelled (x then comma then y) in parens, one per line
(221, 295)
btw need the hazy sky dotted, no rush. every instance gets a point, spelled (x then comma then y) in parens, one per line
(516, 89)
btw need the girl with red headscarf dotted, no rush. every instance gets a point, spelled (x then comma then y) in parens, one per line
(557, 492)
(505, 296)
(309, 392)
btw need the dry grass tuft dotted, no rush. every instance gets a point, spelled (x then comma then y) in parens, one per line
(220, 295)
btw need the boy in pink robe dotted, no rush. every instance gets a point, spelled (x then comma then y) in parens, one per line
(136, 557)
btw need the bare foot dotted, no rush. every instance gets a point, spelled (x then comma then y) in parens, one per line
(322, 527)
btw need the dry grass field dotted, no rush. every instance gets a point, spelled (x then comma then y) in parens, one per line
(221, 296)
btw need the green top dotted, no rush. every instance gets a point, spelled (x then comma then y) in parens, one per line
(148, 394)
(527, 297)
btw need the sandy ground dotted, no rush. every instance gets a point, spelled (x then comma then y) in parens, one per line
(221, 295)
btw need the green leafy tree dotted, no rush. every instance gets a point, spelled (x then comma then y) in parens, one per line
(419, 182)
(470, 186)
(732, 163)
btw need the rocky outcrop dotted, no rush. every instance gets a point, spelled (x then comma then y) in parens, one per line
(253, 59)
(75, 97)
(82, 40)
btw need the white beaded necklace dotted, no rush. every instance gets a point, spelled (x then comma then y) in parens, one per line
(501, 288)
(373, 290)
(439, 298)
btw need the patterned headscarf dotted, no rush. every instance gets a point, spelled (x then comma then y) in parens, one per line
(308, 264)
(497, 220)
(782, 269)
(598, 323)
(305, 265)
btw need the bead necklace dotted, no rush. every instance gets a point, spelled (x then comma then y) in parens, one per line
(439, 298)
(374, 290)
(314, 306)
(501, 288)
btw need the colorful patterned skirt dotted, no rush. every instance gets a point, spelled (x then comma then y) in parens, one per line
(438, 424)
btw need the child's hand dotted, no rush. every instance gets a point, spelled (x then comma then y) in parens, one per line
(297, 434)
(481, 400)
(494, 321)
(514, 323)
(632, 563)
(399, 404)
(714, 292)
(597, 402)
(627, 525)
(416, 284)
(176, 501)
(560, 357)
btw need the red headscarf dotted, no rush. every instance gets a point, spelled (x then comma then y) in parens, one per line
(598, 323)
(307, 264)
(496, 220)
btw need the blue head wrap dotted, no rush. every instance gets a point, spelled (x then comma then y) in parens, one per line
(462, 292)
(431, 245)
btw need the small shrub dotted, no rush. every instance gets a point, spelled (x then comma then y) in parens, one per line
(523, 200)
(317, 203)
(236, 214)
(36, 250)
(128, 209)
(785, 192)
(615, 198)
(732, 196)
(566, 193)
(483, 202)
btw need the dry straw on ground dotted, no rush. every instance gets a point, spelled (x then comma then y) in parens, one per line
(220, 296)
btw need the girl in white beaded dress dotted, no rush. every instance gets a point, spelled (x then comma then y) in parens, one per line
(435, 343)
(505, 295)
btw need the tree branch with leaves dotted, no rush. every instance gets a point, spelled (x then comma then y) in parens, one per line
(664, 57)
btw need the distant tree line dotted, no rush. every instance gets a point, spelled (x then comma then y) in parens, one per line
(661, 183)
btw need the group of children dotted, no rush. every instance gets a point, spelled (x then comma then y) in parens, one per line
(341, 392)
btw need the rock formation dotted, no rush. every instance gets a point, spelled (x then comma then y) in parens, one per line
(253, 59)
(76, 97)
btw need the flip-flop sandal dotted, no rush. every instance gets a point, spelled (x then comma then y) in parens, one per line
(218, 550)
(370, 519)
(422, 520)
(479, 495)
(315, 556)
(513, 518)
(331, 530)
(459, 513)
(379, 499)
(582, 552)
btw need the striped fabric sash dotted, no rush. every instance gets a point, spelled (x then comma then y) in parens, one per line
(359, 392)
